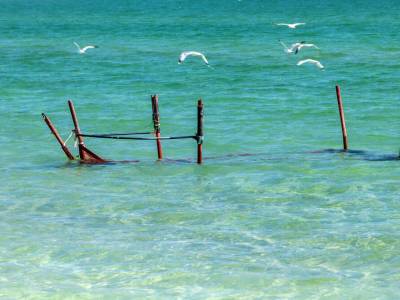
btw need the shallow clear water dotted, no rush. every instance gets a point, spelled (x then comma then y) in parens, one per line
(270, 214)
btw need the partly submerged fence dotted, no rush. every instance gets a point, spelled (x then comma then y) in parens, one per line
(88, 156)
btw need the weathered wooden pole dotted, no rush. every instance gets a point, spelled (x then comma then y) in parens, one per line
(58, 137)
(82, 153)
(156, 123)
(342, 119)
(200, 132)
(85, 154)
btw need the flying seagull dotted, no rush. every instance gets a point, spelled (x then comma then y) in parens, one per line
(292, 26)
(296, 47)
(84, 49)
(185, 54)
(311, 61)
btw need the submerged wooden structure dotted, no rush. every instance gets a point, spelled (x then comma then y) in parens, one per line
(87, 156)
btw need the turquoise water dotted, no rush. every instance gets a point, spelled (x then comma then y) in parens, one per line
(286, 220)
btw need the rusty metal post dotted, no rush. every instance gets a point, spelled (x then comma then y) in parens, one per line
(200, 133)
(342, 119)
(156, 123)
(58, 137)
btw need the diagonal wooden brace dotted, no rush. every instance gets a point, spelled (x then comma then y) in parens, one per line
(58, 137)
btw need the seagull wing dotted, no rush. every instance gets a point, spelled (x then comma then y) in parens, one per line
(304, 61)
(204, 58)
(76, 44)
(282, 24)
(88, 47)
(183, 56)
(311, 61)
(297, 24)
(194, 53)
(319, 65)
(310, 45)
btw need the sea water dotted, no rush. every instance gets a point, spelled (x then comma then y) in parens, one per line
(270, 214)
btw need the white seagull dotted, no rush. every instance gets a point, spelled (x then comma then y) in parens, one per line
(84, 49)
(292, 26)
(185, 54)
(296, 47)
(310, 61)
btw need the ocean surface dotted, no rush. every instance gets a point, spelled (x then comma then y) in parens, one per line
(276, 211)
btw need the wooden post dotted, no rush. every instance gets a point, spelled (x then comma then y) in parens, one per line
(342, 119)
(200, 133)
(77, 130)
(58, 137)
(85, 154)
(156, 123)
